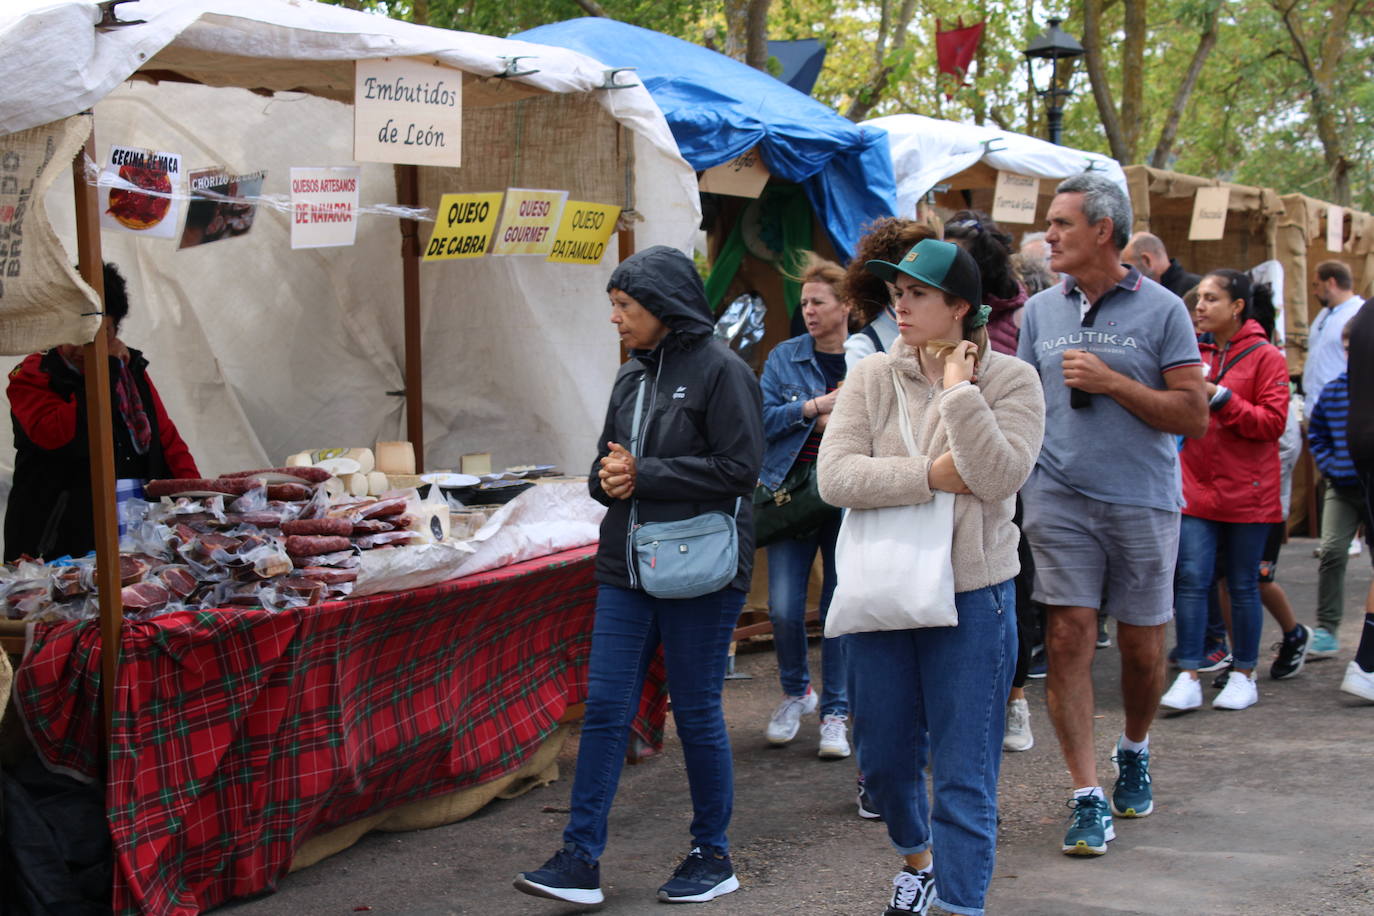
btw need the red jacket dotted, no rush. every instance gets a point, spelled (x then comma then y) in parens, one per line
(1232, 473)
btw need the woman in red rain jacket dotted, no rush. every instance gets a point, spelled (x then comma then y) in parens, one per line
(1230, 485)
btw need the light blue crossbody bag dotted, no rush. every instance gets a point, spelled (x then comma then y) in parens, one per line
(687, 558)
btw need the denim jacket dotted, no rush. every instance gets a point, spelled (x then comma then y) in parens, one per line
(791, 377)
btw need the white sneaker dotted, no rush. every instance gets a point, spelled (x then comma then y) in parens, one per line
(1186, 693)
(1358, 682)
(1355, 547)
(782, 728)
(1240, 692)
(834, 740)
(1018, 735)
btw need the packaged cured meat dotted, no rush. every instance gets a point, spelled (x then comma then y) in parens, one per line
(384, 539)
(328, 575)
(372, 526)
(156, 489)
(289, 491)
(145, 597)
(308, 474)
(179, 580)
(300, 545)
(340, 558)
(340, 527)
(381, 508)
(132, 569)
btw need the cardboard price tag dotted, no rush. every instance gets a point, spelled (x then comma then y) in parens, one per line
(1335, 229)
(407, 111)
(583, 232)
(528, 221)
(743, 176)
(463, 226)
(1209, 214)
(1015, 198)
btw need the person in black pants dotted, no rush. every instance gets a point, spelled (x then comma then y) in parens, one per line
(1359, 674)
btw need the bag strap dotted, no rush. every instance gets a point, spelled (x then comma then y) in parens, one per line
(871, 333)
(1238, 357)
(902, 417)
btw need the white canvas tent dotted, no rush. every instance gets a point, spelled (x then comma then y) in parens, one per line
(259, 350)
(927, 152)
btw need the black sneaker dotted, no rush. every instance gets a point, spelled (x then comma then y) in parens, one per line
(1222, 677)
(1292, 654)
(912, 892)
(565, 877)
(702, 876)
(1039, 664)
(1104, 639)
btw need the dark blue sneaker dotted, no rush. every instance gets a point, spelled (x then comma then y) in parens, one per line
(1039, 664)
(1132, 796)
(702, 876)
(1090, 827)
(565, 877)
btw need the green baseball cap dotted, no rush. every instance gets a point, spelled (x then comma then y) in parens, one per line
(942, 265)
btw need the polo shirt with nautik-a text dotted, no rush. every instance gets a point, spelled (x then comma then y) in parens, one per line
(1104, 451)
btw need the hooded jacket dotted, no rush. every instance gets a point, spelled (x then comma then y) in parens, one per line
(701, 430)
(1232, 474)
(49, 512)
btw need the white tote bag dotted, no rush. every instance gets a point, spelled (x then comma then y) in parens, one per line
(894, 565)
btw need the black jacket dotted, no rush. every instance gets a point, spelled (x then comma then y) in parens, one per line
(702, 430)
(1177, 280)
(1359, 429)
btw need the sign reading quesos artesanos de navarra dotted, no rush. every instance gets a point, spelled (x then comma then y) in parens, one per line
(407, 111)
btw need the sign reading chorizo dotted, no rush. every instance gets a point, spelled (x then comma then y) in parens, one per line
(324, 206)
(528, 221)
(463, 226)
(408, 111)
(583, 232)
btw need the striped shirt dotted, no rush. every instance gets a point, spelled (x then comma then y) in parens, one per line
(1326, 433)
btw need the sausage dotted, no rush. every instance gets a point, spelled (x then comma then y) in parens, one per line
(340, 527)
(341, 558)
(384, 538)
(371, 526)
(304, 545)
(328, 575)
(156, 489)
(308, 474)
(384, 507)
(290, 492)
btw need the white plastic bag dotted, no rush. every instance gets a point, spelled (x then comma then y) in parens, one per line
(894, 564)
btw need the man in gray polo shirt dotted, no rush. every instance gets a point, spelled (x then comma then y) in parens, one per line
(1119, 364)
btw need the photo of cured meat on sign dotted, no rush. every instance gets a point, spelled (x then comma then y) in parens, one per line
(135, 210)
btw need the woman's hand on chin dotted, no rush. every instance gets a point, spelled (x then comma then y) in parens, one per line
(961, 364)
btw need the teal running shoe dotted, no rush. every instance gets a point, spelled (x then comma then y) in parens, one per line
(1132, 796)
(1090, 827)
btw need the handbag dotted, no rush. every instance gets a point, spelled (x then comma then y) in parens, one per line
(686, 558)
(794, 509)
(894, 564)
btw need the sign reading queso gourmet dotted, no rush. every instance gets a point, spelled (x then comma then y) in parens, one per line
(528, 221)
(407, 111)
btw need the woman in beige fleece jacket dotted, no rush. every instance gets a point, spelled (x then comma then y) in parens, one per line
(938, 695)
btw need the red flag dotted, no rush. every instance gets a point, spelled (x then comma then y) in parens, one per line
(954, 49)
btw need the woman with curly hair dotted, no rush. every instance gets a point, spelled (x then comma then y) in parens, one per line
(887, 239)
(991, 247)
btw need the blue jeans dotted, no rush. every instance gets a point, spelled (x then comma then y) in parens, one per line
(789, 571)
(695, 634)
(939, 694)
(1198, 542)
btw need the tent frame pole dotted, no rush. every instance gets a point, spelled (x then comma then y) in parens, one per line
(100, 432)
(408, 190)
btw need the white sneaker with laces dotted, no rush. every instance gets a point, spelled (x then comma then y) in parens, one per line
(834, 739)
(1240, 692)
(1186, 693)
(912, 892)
(786, 720)
(1018, 735)
(1358, 682)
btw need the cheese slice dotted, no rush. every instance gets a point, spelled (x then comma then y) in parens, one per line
(430, 521)
(478, 463)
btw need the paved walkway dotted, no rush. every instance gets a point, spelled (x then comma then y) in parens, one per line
(1268, 810)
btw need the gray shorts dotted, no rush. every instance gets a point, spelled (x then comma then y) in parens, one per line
(1088, 553)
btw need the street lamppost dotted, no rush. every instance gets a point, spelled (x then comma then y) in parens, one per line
(1054, 45)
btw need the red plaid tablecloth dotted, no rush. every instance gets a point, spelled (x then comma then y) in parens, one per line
(238, 735)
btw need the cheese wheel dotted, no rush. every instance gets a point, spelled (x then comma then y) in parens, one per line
(377, 483)
(334, 487)
(298, 460)
(354, 484)
(367, 462)
(395, 458)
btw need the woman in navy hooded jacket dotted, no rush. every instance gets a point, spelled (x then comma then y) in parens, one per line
(700, 449)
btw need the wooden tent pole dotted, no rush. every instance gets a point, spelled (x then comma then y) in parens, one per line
(100, 433)
(408, 190)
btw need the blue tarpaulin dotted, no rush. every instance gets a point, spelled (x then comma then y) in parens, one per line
(719, 108)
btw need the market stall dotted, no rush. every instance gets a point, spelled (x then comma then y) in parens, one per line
(1164, 203)
(823, 177)
(956, 166)
(283, 349)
